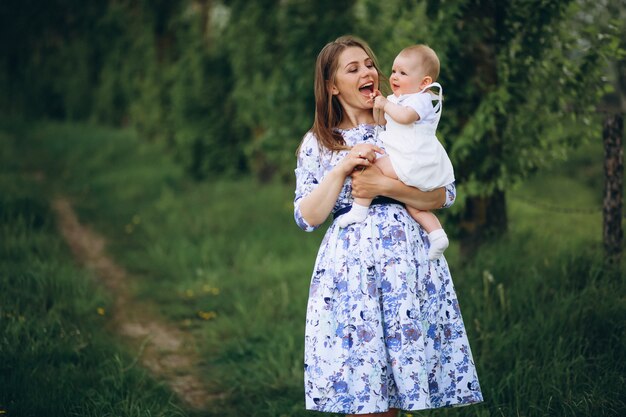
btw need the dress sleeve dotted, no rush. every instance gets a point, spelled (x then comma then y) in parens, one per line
(450, 195)
(308, 174)
(421, 103)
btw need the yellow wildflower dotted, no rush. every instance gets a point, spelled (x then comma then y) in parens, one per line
(100, 311)
(207, 288)
(207, 315)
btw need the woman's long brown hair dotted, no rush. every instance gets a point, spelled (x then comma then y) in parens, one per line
(328, 110)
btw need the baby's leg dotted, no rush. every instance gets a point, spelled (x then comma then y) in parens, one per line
(357, 213)
(361, 206)
(384, 164)
(436, 235)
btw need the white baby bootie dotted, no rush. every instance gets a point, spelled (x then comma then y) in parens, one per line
(357, 214)
(438, 243)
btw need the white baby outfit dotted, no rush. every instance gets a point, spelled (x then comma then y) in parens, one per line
(416, 154)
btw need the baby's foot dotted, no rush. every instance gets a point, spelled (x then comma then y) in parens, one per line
(438, 243)
(356, 214)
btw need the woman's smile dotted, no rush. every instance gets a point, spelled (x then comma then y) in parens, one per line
(367, 89)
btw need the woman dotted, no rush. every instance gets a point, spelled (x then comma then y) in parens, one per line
(383, 331)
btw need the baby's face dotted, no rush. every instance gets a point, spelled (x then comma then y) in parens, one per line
(406, 75)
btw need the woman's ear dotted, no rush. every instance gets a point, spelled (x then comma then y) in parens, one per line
(333, 89)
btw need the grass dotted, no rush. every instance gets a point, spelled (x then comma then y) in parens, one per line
(225, 261)
(57, 358)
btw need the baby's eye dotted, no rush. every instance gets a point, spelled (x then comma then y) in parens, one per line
(403, 73)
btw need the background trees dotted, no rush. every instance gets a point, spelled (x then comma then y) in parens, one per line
(227, 86)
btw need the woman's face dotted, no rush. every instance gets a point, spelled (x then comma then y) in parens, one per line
(355, 80)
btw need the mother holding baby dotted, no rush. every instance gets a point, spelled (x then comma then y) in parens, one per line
(383, 331)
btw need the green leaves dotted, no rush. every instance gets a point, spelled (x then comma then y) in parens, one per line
(228, 86)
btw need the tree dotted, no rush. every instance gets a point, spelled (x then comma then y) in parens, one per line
(517, 84)
(272, 46)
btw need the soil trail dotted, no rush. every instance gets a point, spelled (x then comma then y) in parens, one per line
(165, 350)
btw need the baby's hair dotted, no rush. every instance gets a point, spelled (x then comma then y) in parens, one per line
(428, 60)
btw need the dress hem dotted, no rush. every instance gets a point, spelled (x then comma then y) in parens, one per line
(456, 405)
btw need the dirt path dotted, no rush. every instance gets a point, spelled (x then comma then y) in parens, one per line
(164, 349)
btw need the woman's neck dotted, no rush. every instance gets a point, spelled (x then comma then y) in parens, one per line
(353, 119)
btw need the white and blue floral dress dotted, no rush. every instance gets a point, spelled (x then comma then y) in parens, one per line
(383, 326)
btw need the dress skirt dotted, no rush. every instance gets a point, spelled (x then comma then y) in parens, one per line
(384, 329)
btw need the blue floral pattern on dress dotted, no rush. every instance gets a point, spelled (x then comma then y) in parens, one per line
(383, 328)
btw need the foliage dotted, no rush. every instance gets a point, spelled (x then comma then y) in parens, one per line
(522, 82)
(272, 48)
(227, 85)
(204, 133)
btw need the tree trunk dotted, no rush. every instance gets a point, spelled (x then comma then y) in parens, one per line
(613, 185)
(484, 217)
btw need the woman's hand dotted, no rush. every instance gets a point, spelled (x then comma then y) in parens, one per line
(316, 207)
(363, 155)
(371, 183)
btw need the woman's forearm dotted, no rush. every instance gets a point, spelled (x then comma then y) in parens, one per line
(414, 197)
(371, 183)
(316, 206)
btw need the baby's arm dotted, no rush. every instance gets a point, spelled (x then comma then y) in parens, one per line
(400, 114)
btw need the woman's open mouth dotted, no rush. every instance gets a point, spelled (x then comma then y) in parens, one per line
(367, 89)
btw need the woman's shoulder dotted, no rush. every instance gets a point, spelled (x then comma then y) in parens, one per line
(309, 138)
(309, 145)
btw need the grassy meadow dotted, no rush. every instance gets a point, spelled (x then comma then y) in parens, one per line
(224, 260)
(56, 359)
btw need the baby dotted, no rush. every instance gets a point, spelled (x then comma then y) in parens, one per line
(413, 153)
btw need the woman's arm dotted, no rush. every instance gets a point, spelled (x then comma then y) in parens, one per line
(371, 183)
(315, 207)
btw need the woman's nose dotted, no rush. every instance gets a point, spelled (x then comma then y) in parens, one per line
(369, 72)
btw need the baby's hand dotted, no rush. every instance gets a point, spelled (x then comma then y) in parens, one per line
(379, 102)
(375, 94)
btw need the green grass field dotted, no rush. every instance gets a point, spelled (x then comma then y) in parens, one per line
(56, 357)
(224, 260)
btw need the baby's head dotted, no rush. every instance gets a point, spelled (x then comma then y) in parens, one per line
(414, 68)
